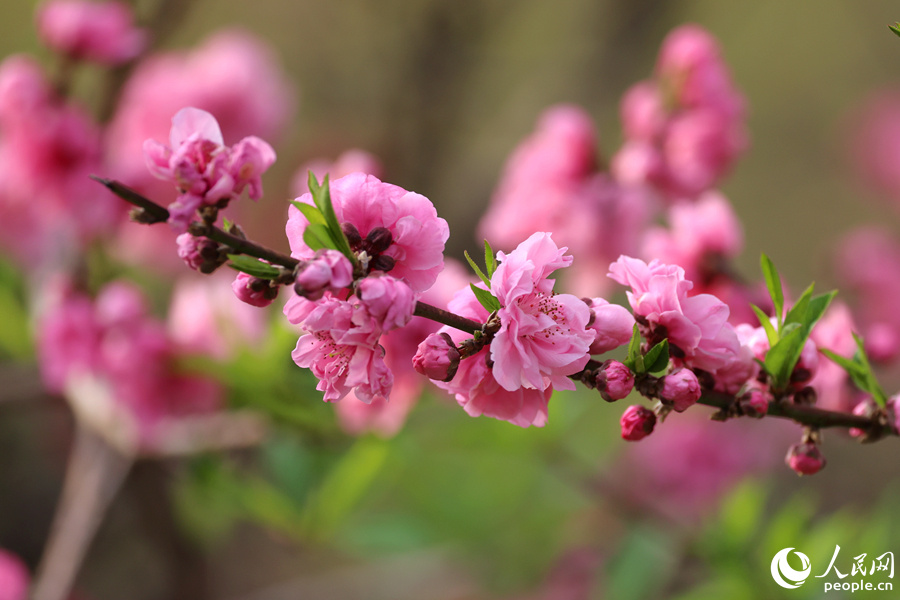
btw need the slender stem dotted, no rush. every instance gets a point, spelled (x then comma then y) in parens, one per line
(447, 318)
(242, 246)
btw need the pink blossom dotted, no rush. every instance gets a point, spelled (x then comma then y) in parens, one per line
(204, 170)
(205, 317)
(685, 127)
(754, 403)
(415, 250)
(232, 75)
(612, 324)
(253, 290)
(329, 270)
(388, 300)
(805, 458)
(637, 423)
(680, 388)
(551, 182)
(114, 341)
(701, 234)
(543, 337)
(474, 385)
(98, 31)
(350, 161)
(875, 142)
(834, 332)
(341, 348)
(14, 577)
(48, 147)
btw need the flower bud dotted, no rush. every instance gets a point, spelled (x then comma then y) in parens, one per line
(378, 240)
(805, 458)
(437, 357)
(390, 301)
(806, 365)
(253, 290)
(383, 263)
(680, 388)
(613, 325)
(328, 270)
(754, 403)
(352, 235)
(864, 408)
(637, 423)
(199, 253)
(614, 381)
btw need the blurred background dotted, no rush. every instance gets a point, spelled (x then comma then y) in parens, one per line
(441, 92)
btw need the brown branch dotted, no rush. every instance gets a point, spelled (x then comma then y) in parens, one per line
(446, 318)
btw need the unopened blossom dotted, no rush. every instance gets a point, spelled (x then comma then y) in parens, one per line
(203, 169)
(437, 357)
(388, 300)
(253, 290)
(614, 381)
(757, 341)
(543, 337)
(754, 403)
(341, 348)
(399, 231)
(864, 408)
(475, 387)
(328, 270)
(350, 161)
(637, 423)
(805, 458)
(14, 577)
(680, 388)
(612, 324)
(685, 127)
(103, 32)
(199, 253)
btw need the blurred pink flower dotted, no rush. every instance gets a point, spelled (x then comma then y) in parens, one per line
(103, 32)
(875, 142)
(416, 234)
(684, 128)
(834, 390)
(202, 168)
(543, 336)
(14, 577)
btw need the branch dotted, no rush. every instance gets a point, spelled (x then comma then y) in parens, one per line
(446, 318)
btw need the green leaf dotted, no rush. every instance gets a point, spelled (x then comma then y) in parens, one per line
(477, 270)
(797, 314)
(657, 358)
(783, 356)
(253, 266)
(634, 360)
(317, 237)
(321, 195)
(817, 307)
(312, 214)
(490, 259)
(895, 28)
(872, 385)
(851, 366)
(766, 323)
(487, 299)
(773, 282)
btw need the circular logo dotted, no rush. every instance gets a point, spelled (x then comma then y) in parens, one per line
(784, 575)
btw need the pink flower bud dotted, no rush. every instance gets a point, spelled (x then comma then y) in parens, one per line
(865, 408)
(328, 270)
(680, 388)
(754, 403)
(253, 290)
(199, 253)
(437, 357)
(100, 31)
(612, 324)
(805, 458)
(637, 423)
(615, 381)
(390, 301)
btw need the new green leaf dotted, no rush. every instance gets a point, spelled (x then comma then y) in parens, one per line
(657, 358)
(490, 259)
(773, 283)
(766, 323)
(252, 266)
(487, 299)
